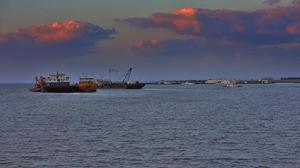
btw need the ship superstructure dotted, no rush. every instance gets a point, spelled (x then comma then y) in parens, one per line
(57, 80)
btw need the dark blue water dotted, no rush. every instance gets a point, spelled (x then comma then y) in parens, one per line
(159, 126)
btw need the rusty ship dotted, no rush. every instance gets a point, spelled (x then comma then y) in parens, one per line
(125, 84)
(60, 83)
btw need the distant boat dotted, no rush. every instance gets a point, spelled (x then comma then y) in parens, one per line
(231, 84)
(188, 83)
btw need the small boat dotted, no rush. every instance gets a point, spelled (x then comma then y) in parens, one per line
(231, 84)
(188, 83)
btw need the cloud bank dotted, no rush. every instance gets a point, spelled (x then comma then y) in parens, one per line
(175, 47)
(211, 56)
(58, 32)
(260, 27)
(52, 41)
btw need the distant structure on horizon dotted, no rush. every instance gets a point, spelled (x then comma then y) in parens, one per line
(267, 80)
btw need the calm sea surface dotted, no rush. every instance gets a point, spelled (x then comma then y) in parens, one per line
(159, 126)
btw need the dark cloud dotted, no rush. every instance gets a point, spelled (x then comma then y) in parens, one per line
(261, 27)
(220, 58)
(52, 41)
(178, 47)
(175, 47)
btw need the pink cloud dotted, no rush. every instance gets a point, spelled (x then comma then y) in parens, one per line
(148, 43)
(53, 41)
(57, 32)
(181, 20)
(186, 11)
(294, 29)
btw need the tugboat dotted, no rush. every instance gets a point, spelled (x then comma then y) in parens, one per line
(125, 84)
(60, 83)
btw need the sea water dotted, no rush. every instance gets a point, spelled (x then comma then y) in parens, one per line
(159, 126)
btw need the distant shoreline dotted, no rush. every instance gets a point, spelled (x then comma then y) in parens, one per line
(207, 81)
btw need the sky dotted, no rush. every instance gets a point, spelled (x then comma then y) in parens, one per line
(160, 39)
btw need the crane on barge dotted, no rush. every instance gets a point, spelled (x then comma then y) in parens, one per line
(127, 76)
(125, 84)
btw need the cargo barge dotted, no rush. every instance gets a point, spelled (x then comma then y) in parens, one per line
(125, 84)
(60, 83)
(111, 85)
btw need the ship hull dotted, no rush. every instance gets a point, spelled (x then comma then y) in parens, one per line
(122, 86)
(36, 89)
(87, 88)
(68, 89)
(135, 86)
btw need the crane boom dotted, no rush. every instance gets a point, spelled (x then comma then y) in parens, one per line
(127, 76)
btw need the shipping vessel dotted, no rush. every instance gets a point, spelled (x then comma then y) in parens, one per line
(60, 83)
(125, 84)
(87, 84)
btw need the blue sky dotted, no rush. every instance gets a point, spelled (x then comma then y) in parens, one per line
(16, 13)
(177, 46)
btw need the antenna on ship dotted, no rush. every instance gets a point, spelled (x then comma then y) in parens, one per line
(110, 70)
